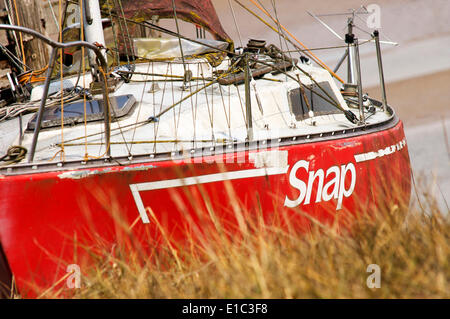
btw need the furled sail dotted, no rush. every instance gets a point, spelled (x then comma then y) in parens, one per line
(200, 12)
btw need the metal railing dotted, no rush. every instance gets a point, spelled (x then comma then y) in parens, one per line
(55, 46)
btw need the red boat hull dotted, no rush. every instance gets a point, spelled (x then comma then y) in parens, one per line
(44, 215)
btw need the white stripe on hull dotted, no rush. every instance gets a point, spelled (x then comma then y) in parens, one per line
(202, 179)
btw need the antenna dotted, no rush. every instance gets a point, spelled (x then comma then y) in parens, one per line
(326, 26)
(352, 53)
(352, 14)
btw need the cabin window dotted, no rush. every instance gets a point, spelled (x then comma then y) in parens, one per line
(74, 112)
(318, 104)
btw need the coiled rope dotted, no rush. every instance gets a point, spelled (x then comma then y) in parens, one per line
(14, 154)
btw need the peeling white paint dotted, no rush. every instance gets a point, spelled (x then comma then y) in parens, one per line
(87, 173)
(269, 159)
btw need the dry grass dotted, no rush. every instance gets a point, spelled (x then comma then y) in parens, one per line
(411, 248)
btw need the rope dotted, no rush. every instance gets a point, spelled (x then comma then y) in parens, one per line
(53, 14)
(61, 72)
(20, 35)
(127, 53)
(152, 26)
(105, 81)
(33, 76)
(14, 60)
(279, 32)
(235, 22)
(160, 106)
(83, 66)
(210, 114)
(14, 154)
(150, 142)
(126, 26)
(179, 38)
(140, 107)
(314, 57)
(116, 42)
(331, 101)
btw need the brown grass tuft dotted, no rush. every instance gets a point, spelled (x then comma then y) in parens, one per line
(410, 246)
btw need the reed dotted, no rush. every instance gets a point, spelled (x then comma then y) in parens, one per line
(262, 260)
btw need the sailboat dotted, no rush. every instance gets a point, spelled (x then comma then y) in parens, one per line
(158, 131)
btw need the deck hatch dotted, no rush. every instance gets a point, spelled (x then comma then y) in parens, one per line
(121, 106)
(320, 106)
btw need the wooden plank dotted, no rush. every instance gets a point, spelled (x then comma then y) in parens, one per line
(30, 15)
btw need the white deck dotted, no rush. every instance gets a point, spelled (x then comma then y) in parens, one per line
(205, 119)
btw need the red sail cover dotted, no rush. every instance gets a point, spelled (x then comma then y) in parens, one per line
(200, 12)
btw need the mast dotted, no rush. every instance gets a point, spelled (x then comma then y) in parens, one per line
(350, 40)
(93, 30)
(376, 36)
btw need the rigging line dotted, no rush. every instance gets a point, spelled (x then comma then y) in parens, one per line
(212, 102)
(382, 33)
(154, 88)
(11, 57)
(179, 77)
(279, 109)
(162, 112)
(207, 104)
(168, 80)
(179, 38)
(143, 142)
(20, 34)
(173, 101)
(302, 95)
(179, 110)
(152, 26)
(64, 19)
(197, 91)
(279, 31)
(128, 126)
(126, 27)
(282, 34)
(271, 27)
(235, 23)
(362, 30)
(105, 81)
(161, 105)
(195, 110)
(140, 107)
(314, 57)
(332, 101)
(63, 153)
(83, 66)
(9, 11)
(78, 73)
(174, 34)
(242, 106)
(53, 14)
(116, 42)
(229, 104)
(127, 49)
(228, 118)
(285, 37)
(322, 48)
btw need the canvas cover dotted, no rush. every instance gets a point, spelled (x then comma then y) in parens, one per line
(200, 12)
